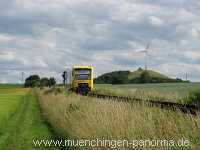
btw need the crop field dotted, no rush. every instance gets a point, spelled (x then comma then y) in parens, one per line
(175, 92)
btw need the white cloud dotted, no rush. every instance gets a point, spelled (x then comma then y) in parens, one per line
(155, 21)
(7, 56)
(194, 55)
(4, 38)
(39, 63)
(180, 69)
(194, 33)
(46, 36)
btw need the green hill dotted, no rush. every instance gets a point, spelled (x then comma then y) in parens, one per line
(138, 76)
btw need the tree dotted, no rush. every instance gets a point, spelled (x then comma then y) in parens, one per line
(35, 81)
(140, 69)
(44, 82)
(32, 81)
(52, 82)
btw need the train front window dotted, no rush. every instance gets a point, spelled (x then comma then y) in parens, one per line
(82, 71)
(82, 76)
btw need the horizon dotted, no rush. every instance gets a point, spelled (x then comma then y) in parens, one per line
(109, 35)
(60, 82)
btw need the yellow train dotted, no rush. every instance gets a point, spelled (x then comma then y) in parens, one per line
(82, 79)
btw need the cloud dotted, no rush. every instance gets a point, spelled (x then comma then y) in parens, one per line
(7, 56)
(4, 39)
(47, 36)
(194, 33)
(192, 55)
(155, 21)
(183, 68)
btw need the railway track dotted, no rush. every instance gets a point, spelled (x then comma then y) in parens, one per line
(185, 108)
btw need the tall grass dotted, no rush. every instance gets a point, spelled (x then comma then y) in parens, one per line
(174, 92)
(78, 117)
(141, 94)
(181, 89)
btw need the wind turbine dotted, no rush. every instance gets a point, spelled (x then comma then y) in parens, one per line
(145, 51)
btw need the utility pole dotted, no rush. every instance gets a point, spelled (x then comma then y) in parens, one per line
(22, 77)
(186, 76)
(64, 75)
(68, 76)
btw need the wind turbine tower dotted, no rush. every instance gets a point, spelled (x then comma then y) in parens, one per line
(146, 55)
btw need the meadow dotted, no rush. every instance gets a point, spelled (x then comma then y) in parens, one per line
(174, 92)
(27, 114)
(10, 97)
(78, 117)
(20, 119)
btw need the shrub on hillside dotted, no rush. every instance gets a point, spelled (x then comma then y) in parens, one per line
(145, 77)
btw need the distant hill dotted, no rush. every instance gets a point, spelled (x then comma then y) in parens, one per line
(138, 76)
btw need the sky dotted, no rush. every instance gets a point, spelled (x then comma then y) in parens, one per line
(46, 37)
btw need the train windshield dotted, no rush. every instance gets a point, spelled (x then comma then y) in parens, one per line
(82, 77)
(82, 74)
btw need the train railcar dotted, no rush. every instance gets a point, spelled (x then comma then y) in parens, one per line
(82, 79)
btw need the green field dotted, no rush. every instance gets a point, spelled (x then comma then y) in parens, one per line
(10, 86)
(163, 91)
(20, 119)
(54, 114)
(10, 97)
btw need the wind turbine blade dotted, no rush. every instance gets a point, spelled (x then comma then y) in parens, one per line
(147, 47)
(143, 51)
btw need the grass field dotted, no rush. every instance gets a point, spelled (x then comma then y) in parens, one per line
(175, 92)
(10, 97)
(10, 86)
(77, 117)
(20, 119)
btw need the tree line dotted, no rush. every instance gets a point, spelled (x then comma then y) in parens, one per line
(36, 81)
